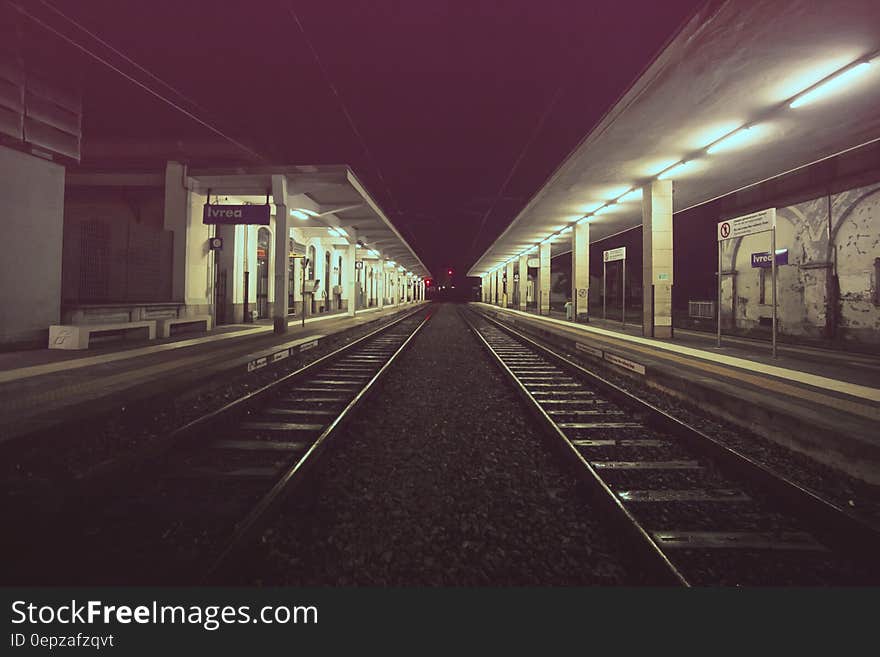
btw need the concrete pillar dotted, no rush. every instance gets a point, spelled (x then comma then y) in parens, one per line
(380, 284)
(657, 259)
(282, 284)
(349, 274)
(32, 211)
(297, 285)
(177, 210)
(580, 271)
(523, 280)
(543, 295)
(508, 301)
(494, 288)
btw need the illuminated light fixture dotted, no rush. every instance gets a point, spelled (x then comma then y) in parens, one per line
(605, 208)
(830, 86)
(586, 219)
(632, 195)
(299, 214)
(737, 138)
(662, 166)
(391, 263)
(675, 170)
(341, 232)
(374, 253)
(565, 230)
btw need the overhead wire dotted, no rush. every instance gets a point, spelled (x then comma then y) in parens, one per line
(288, 5)
(135, 81)
(525, 149)
(121, 54)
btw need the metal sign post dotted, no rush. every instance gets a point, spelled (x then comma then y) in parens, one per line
(773, 284)
(749, 224)
(718, 302)
(623, 297)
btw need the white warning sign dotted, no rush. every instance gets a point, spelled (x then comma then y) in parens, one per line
(756, 222)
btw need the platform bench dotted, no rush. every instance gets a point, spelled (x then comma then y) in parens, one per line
(76, 336)
(164, 325)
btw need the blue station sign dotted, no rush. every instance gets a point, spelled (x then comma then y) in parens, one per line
(763, 259)
(236, 214)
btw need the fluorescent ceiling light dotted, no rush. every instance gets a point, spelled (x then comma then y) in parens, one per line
(831, 86)
(659, 167)
(605, 208)
(299, 214)
(565, 230)
(736, 139)
(676, 170)
(632, 195)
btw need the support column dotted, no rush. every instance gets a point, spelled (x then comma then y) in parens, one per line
(580, 271)
(495, 295)
(523, 280)
(349, 276)
(509, 286)
(657, 259)
(544, 279)
(380, 284)
(282, 231)
(176, 215)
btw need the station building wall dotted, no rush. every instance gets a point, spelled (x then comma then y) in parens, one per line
(31, 216)
(116, 249)
(829, 288)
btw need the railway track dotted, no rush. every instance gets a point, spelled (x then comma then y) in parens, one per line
(697, 512)
(214, 483)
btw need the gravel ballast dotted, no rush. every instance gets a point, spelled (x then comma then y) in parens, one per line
(441, 479)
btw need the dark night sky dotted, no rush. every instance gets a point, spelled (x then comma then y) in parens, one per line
(444, 94)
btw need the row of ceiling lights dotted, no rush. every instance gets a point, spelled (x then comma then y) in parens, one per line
(304, 214)
(740, 136)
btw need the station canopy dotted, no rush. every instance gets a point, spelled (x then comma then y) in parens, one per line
(319, 198)
(744, 92)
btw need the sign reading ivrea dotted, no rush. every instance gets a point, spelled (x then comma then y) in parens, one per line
(236, 214)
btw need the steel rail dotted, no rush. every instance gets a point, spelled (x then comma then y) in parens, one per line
(828, 522)
(262, 510)
(660, 564)
(198, 426)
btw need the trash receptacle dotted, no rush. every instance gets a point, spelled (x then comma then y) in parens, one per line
(568, 310)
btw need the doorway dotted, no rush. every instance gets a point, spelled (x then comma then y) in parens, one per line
(264, 240)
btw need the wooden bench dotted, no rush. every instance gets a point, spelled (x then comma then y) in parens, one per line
(164, 325)
(77, 336)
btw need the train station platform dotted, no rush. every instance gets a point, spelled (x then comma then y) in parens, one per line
(40, 388)
(820, 402)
